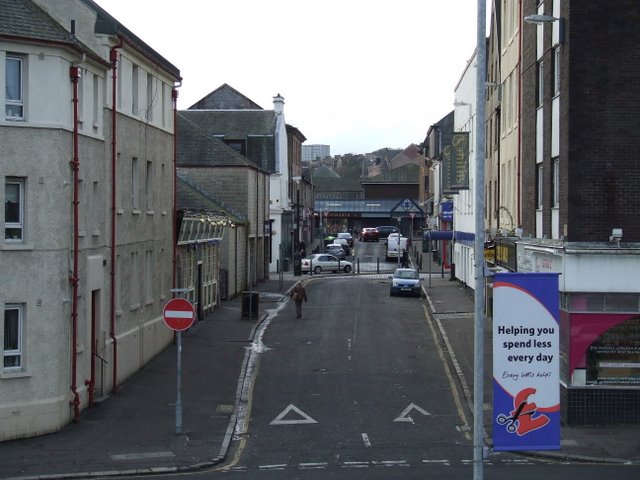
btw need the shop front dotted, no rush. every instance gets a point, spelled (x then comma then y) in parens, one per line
(599, 326)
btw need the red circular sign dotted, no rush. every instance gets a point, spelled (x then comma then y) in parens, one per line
(178, 314)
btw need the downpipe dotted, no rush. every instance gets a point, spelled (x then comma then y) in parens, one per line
(113, 57)
(74, 74)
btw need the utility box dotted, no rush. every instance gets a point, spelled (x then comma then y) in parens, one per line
(250, 304)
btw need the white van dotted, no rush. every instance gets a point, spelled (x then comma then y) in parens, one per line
(395, 244)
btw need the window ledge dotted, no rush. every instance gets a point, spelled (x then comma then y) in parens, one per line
(14, 374)
(16, 246)
(133, 307)
(135, 211)
(120, 211)
(151, 212)
(148, 302)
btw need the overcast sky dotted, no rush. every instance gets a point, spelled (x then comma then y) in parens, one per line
(357, 75)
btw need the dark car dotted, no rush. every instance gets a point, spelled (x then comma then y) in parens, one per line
(369, 234)
(386, 230)
(347, 236)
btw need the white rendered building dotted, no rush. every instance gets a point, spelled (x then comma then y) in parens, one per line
(88, 219)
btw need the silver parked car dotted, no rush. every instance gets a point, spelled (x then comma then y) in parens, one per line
(336, 250)
(322, 262)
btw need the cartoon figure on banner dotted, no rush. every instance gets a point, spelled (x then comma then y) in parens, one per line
(521, 419)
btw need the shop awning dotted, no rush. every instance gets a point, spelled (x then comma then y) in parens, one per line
(438, 235)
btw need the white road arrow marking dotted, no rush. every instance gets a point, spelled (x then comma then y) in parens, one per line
(305, 419)
(404, 416)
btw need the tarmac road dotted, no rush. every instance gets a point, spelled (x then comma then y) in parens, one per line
(133, 432)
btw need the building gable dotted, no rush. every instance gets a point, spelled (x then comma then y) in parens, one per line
(225, 97)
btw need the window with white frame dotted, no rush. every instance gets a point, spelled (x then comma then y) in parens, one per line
(148, 186)
(148, 276)
(163, 88)
(150, 95)
(134, 287)
(163, 178)
(82, 72)
(96, 101)
(14, 209)
(540, 89)
(540, 188)
(14, 88)
(556, 71)
(134, 90)
(134, 182)
(13, 327)
(556, 182)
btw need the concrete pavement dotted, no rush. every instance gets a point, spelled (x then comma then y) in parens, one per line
(133, 431)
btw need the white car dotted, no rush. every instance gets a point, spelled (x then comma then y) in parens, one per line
(323, 262)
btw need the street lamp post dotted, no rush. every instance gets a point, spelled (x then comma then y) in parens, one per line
(478, 362)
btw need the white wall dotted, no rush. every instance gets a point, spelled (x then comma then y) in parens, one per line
(464, 203)
(34, 399)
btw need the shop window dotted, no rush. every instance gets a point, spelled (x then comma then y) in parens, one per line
(603, 302)
(614, 358)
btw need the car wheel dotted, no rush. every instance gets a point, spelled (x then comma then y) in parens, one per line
(317, 269)
(347, 268)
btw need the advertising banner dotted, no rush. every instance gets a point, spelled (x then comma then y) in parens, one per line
(446, 211)
(526, 383)
(455, 162)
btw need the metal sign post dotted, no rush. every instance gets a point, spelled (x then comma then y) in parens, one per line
(179, 315)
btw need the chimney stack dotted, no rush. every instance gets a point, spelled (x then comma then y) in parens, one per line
(278, 104)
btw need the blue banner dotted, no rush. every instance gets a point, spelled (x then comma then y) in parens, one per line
(446, 212)
(526, 380)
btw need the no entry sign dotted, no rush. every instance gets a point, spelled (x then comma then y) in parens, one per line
(179, 314)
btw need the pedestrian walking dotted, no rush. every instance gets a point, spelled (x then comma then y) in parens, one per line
(405, 259)
(298, 294)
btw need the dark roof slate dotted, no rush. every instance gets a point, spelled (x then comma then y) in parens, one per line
(197, 147)
(190, 197)
(225, 97)
(332, 184)
(325, 172)
(406, 174)
(106, 24)
(237, 124)
(24, 19)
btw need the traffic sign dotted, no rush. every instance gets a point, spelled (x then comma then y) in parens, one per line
(179, 314)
